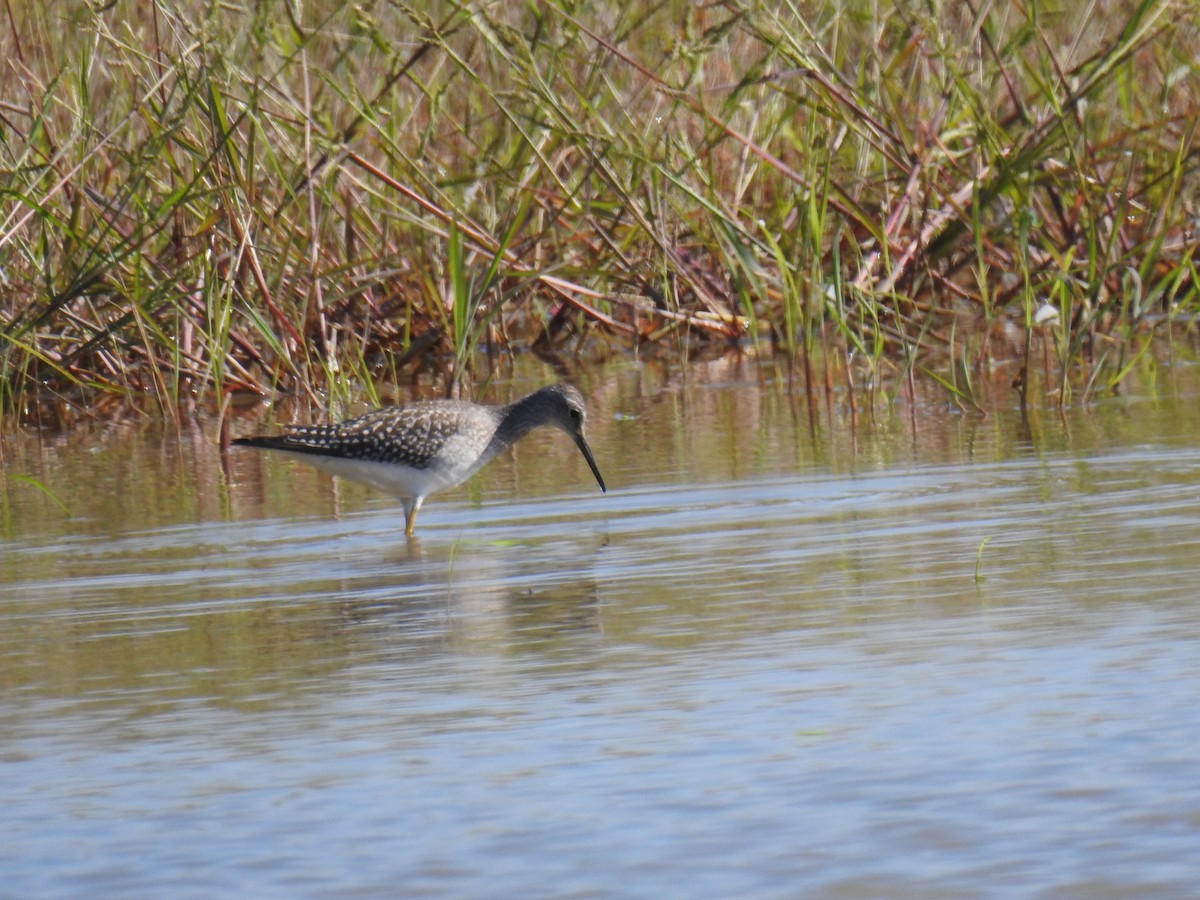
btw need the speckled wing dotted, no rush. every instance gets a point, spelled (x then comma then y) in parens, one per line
(418, 435)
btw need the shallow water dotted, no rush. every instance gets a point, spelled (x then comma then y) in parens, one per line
(763, 664)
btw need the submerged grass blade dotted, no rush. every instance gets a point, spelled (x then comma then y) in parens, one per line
(33, 482)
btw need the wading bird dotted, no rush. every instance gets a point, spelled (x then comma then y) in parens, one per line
(413, 450)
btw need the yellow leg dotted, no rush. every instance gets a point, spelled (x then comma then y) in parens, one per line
(410, 514)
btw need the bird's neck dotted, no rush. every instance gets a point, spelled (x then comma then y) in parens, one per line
(518, 419)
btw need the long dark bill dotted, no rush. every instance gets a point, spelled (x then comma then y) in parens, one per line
(587, 454)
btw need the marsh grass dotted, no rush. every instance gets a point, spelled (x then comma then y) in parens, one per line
(202, 199)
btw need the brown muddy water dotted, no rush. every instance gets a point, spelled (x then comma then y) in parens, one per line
(761, 665)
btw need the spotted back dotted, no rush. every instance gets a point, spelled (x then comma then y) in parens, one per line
(418, 435)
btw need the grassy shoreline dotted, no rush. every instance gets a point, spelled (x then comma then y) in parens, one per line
(204, 199)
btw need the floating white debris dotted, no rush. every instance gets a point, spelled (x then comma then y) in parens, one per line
(1046, 312)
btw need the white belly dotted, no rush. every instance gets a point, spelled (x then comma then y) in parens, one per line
(400, 481)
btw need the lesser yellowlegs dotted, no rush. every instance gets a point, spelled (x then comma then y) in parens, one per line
(430, 445)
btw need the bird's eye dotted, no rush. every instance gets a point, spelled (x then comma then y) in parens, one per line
(576, 414)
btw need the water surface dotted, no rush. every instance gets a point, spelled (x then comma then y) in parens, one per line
(828, 656)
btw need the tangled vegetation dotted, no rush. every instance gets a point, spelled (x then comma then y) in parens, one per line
(201, 198)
